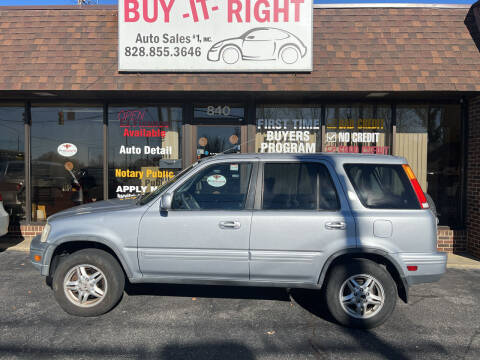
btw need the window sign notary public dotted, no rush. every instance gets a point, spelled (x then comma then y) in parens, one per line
(215, 35)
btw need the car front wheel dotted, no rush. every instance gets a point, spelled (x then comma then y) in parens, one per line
(360, 293)
(88, 282)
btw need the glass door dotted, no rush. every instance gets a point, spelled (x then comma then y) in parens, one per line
(218, 129)
(217, 139)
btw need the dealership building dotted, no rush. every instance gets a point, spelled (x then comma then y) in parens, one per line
(100, 102)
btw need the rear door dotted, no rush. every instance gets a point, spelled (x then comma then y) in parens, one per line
(299, 218)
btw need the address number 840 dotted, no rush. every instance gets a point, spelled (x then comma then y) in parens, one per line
(163, 51)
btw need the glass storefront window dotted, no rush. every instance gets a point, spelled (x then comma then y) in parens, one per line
(67, 158)
(411, 139)
(12, 166)
(358, 129)
(288, 129)
(430, 139)
(144, 148)
(444, 163)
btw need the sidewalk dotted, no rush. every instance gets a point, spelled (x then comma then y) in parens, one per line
(455, 261)
(9, 243)
(462, 261)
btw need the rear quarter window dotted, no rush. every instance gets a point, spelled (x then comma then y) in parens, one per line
(382, 186)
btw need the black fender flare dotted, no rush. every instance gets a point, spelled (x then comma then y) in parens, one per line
(368, 253)
(90, 240)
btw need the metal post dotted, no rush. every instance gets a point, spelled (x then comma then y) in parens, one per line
(27, 160)
(105, 151)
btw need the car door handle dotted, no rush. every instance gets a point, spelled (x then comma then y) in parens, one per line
(335, 225)
(229, 225)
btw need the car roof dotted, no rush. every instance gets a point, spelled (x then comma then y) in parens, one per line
(336, 158)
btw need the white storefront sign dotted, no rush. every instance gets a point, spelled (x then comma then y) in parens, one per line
(215, 35)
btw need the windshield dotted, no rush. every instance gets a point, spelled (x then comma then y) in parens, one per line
(149, 197)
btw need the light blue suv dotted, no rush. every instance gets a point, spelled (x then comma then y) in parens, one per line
(356, 226)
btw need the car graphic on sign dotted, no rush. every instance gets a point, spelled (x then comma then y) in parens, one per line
(259, 44)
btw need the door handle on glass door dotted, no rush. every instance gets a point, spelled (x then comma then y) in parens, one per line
(229, 225)
(335, 225)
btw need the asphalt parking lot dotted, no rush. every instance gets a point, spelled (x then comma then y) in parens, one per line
(442, 321)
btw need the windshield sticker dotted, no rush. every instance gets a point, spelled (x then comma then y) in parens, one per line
(216, 180)
(234, 167)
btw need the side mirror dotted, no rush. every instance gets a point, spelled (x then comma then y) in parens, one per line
(166, 202)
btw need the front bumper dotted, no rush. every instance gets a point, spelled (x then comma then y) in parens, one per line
(430, 266)
(43, 250)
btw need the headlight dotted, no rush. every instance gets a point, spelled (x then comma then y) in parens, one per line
(45, 233)
(216, 46)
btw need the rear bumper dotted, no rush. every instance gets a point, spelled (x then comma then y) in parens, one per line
(430, 266)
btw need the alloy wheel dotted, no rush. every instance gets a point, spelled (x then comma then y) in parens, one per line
(362, 296)
(85, 285)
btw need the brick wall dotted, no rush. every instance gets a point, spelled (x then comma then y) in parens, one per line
(473, 178)
(27, 232)
(451, 240)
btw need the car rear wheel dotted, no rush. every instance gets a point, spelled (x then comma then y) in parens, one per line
(360, 293)
(231, 55)
(290, 54)
(88, 282)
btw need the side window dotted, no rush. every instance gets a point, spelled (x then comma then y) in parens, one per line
(382, 186)
(218, 187)
(298, 186)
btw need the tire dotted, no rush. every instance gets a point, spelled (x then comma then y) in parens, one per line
(382, 286)
(289, 54)
(230, 55)
(109, 279)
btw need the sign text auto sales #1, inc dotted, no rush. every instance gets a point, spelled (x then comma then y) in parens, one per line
(215, 35)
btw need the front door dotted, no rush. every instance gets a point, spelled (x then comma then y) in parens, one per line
(217, 139)
(206, 233)
(300, 218)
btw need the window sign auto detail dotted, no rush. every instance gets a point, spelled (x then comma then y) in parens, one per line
(146, 151)
(215, 35)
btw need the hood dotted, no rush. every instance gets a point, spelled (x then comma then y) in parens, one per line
(96, 207)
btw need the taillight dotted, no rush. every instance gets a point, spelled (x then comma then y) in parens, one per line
(1, 197)
(416, 186)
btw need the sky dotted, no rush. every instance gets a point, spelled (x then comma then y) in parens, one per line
(70, 2)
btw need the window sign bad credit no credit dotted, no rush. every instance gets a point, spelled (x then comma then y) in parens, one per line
(215, 35)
